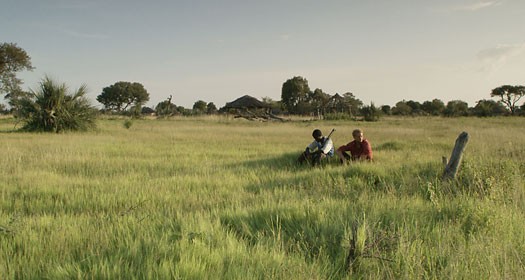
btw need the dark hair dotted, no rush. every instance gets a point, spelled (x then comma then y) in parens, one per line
(317, 133)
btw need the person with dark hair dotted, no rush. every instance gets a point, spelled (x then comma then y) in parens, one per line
(318, 150)
(360, 148)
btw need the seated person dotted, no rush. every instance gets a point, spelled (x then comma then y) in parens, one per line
(360, 148)
(318, 149)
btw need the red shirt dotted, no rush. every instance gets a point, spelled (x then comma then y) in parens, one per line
(357, 150)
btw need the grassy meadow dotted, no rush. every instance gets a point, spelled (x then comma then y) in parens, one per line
(222, 198)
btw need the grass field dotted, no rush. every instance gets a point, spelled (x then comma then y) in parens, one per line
(219, 198)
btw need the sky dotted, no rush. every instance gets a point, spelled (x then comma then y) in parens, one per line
(383, 51)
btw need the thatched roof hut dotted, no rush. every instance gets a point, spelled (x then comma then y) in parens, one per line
(246, 102)
(250, 108)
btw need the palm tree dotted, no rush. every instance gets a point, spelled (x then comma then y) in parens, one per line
(51, 108)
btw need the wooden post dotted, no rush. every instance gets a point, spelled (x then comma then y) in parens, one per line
(455, 159)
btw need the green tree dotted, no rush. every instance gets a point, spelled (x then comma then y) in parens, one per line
(510, 95)
(294, 94)
(200, 107)
(53, 109)
(121, 95)
(416, 107)
(371, 113)
(211, 109)
(456, 108)
(489, 108)
(166, 108)
(13, 59)
(386, 109)
(434, 107)
(352, 104)
(402, 108)
(319, 101)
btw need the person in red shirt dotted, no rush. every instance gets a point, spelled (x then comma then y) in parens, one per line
(360, 149)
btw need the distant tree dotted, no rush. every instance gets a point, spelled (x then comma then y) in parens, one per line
(489, 108)
(352, 104)
(386, 109)
(184, 111)
(13, 59)
(166, 108)
(510, 95)
(121, 95)
(434, 107)
(415, 106)
(53, 109)
(456, 108)
(319, 100)
(3, 109)
(200, 107)
(294, 94)
(371, 113)
(402, 109)
(211, 109)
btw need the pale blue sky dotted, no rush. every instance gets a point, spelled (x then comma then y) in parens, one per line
(383, 51)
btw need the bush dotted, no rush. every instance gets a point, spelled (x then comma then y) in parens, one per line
(371, 113)
(53, 109)
(338, 116)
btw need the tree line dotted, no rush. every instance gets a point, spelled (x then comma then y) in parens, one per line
(48, 106)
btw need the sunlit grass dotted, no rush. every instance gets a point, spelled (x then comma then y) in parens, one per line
(222, 198)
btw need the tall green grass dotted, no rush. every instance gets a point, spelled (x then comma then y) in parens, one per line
(222, 198)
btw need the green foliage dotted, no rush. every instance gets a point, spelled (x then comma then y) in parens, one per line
(489, 108)
(371, 113)
(319, 100)
(456, 108)
(13, 59)
(434, 107)
(128, 123)
(211, 109)
(166, 108)
(338, 116)
(200, 107)
(402, 108)
(53, 109)
(121, 95)
(294, 94)
(509, 95)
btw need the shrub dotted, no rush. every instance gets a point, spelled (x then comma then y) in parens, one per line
(127, 124)
(371, 113)
(338, 116)
(52, 109)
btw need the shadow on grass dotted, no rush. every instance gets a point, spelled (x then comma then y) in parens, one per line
(299, 232)
(283, 172)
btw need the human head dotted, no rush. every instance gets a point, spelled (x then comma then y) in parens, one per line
(317, 135)
(357, 134)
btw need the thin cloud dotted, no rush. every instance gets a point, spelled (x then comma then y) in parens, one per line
(84, 35)
(494, 58)
(478, 6)
(285, 37)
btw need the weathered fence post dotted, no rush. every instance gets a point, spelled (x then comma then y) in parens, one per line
(455, 159)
